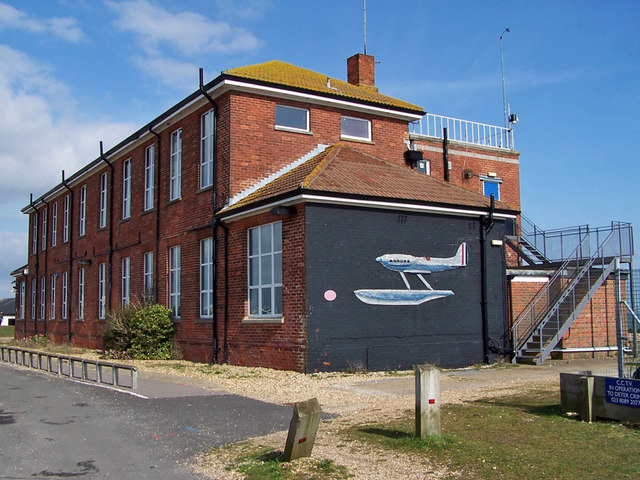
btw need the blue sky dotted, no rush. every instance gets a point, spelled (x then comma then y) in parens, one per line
(74, 72)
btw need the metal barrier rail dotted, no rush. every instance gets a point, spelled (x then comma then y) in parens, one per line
(107, 373)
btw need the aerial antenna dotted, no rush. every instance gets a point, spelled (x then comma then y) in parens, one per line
(364, 20)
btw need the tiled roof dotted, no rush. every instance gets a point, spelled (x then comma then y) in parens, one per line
(285, 74)
(343, 170)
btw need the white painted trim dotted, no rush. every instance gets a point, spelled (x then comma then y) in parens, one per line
(307, 198)
(531, 279)
(322, 100)
(262, 321)
(497, 158)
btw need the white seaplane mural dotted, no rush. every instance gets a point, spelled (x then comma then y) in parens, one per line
(404, 264)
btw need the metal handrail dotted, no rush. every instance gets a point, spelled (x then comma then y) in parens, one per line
(532, 313)
(463, 131)
(64, 365)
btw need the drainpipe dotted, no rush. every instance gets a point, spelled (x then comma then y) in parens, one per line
(445, 153)
(46, 279)
(225, 345)
(485, 226)
(70, 275)
(214, 221)
(157, 193)
(110, 220)
(34, 232)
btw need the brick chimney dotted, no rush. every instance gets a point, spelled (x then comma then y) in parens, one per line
(361, 71)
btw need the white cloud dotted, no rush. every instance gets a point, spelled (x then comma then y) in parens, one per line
(38, 136)
(248, 9)
(183, 75)
(13, 254)
(65, 28)
(187, 33)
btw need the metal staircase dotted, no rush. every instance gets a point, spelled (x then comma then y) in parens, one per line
(542, 324)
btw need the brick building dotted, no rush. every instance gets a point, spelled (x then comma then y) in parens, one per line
(258, 208)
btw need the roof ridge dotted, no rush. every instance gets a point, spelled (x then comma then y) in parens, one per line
(324, 163)
(280, 173)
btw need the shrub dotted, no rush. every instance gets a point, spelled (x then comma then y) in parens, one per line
(152, 329)
(118, 334)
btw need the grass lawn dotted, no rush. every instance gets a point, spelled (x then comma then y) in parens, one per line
(516, 437)
(7, 331)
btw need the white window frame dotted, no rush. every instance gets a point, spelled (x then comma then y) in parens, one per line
(65, 296)
(174, 280)
(175, 182)
(206, 278)
(23, 288)
(81, 294)
(148, 276)
(52, 312)
(34, 289)
(126, 189)
(82, 220)
(102, 219)
(102, 290)
(126, 281)
(207, 130)
(347, 136)
(292, 128)
(259, 258)
(65, 218)
(149, 177)
(492, 180)
(45, 214)
(54, 224)
(34, 234)
(43, 290)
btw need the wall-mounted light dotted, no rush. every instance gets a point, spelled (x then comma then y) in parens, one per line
(468, 173)
(513, 119)
(283, 211)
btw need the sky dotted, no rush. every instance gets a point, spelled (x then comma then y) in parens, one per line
(77, 72)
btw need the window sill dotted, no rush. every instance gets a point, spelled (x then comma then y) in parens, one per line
(262, 320)
(357, 140)
(292, 130)
(204, 189)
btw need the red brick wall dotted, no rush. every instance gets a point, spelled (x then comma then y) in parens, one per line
(594, 327)
(480, 160)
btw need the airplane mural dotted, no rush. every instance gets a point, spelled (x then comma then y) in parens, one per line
(403, 264)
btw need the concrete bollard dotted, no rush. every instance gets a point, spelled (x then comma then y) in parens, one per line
(427, 400)
(302, 430)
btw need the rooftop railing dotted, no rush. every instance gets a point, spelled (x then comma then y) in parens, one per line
(463, 131)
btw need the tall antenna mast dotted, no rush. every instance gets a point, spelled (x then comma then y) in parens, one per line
(364, 19)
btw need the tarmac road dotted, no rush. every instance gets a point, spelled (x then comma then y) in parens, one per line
(53, 428)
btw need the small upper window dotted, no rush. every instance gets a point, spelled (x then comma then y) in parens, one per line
(292, 118)
(491, 186)
(356, 128)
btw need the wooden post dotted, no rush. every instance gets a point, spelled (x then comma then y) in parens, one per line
(586, 399)
(427, 400)
(302, 430)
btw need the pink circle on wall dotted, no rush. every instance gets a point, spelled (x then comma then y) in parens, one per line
(330, 295)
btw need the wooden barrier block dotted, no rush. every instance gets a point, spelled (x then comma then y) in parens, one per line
(302, 430)
(586, 399)
(427, 400)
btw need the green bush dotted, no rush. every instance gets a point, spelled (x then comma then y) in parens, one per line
(118, 334)
(151, 328)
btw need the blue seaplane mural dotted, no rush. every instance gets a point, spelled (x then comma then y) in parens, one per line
(403, 264)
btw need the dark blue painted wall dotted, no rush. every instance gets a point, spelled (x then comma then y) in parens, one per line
(342, 246)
